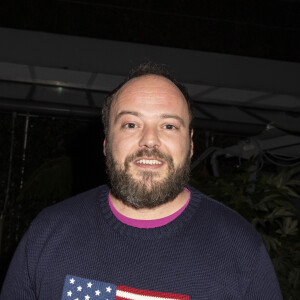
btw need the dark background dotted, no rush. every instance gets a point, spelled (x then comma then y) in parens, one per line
(257, 28)
(63, 156)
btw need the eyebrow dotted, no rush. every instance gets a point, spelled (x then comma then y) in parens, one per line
(137, 114)
(126, 112)
(167, 116)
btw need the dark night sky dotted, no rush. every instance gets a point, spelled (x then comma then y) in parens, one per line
(257, 28)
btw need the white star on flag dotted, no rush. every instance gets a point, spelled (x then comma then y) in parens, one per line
(88, 289)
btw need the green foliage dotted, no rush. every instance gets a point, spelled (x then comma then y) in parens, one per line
(267, 204)
(45, 168)
(48, 184)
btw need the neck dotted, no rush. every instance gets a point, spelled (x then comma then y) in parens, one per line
(158, 212)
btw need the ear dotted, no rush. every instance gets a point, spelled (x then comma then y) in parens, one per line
(104, 147)
(192, 143)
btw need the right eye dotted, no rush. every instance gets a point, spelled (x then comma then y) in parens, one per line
(129, 125)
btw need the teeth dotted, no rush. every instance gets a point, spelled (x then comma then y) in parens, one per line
(149, 162)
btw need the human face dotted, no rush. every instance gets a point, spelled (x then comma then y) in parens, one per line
(149, 130)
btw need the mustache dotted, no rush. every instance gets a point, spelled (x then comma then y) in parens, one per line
(154, 153)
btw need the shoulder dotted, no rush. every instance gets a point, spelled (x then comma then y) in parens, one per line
(231, 238)
(223, 223)
(75, 205)
(82, 208)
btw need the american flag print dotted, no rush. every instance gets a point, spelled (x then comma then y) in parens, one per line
(76, 288)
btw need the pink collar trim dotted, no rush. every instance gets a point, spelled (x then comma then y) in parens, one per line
(147, 223)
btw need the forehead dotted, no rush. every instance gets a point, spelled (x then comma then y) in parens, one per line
(151, 92)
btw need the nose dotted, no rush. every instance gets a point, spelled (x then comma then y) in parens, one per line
(149, 138)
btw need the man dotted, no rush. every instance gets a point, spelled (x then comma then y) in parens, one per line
(147, 235)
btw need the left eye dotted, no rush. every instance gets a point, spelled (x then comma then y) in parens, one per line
(169, 126)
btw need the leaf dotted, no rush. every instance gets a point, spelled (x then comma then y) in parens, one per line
(285, 203)
(269, 198)
(278, 182)
(279, 212)
(294, 182)
(290, 192)
(288, 227)
(258, 221)
(270, 242)
(294, 278)
(261, 206)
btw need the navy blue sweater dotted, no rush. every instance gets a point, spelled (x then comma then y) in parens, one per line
(77, 249)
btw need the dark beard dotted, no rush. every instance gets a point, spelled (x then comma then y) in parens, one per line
(146, 192)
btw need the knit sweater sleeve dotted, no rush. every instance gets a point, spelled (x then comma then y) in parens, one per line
(17, 284)
(263, 284)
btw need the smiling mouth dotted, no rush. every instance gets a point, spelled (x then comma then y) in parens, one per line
(149, 162)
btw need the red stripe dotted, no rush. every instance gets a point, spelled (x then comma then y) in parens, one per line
(150, 293)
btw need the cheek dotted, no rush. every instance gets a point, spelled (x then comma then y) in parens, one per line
(121, 147)
(178, 148)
